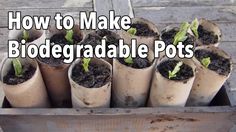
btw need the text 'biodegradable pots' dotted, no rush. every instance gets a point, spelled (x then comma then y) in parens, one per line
(83, 97)
(130, 86)
(35, 36)
(29, 94)
(211, 27)
(149, 40)
(166, 92)
(207, 82)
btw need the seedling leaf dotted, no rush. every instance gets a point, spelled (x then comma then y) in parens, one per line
(25, 35)
(129, 60)
(86, 64)
(69, 36)
(194, 27)
(206, 61)
(176, 70)
(17, 67)
(132, 31)
(181, 35)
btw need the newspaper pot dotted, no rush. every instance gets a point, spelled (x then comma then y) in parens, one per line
(167, 92)
(131, 85)
(28, 94)
(35, 36)
(208, 82)
(93, 97)
(204, 37)
(149, 40)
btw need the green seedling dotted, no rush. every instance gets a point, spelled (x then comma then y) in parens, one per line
(176, 70)
(86, 64)
(181, 35)
(129, 60)
(25, 35)
(69, 36)
(17, 67)
(194, 27)
(206, 61)
(132, 31)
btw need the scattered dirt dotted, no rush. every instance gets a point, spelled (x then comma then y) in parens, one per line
(97, 76)
(11, 79)
(185, 72)
(138, 63)
(207, 37)
(218, 63)
(143, 29)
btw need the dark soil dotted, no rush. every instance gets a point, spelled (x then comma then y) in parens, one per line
(143, 30)
(110, 39)
(185, 72)
(60, 39)
(30, 39)
(168, 38)
(97, 76)
(207, 37)
(138, 63)
(11, 79)
(218, 63)
(93, 40)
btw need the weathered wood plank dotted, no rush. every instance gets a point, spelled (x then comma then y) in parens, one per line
(10, 4)
(123, 7)
(40, 11)
(102, 7)
(137, 119)
(179, 14)
(231, 87)
(181, 3)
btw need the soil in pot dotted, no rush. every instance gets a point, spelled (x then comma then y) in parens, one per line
(184, 73)
(60, 39)
(30, 39)
(207, 37)
(110, 39)
(97, 76)
(218, 63)
(12, 79)
(143, 30)
(138, 63)
(168, 38)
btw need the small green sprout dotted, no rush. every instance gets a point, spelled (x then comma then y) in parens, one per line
(132, 31)
(17, 67)
(206, 61)
(181, 35)
(176, 70)
(194, 27)
(25, 35)
(86, 64)
(129, 60)
(69, 36)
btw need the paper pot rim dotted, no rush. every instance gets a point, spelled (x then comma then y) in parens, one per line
(217, 51)
(191, 64)
(94, 59)
(30, 61)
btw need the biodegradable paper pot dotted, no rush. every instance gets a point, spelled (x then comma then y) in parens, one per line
(39, 35)
(207, 82)
(83, 97)
(130, 85)
(149, 40)
(31, 93)
(212, 27)
(165, 92)
(57, 83)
